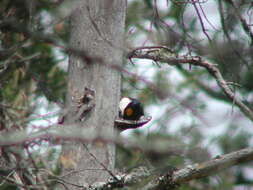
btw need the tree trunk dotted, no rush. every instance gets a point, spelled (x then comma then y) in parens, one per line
(97, 28)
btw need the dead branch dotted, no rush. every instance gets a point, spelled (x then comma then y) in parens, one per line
(173, 60)
(210, 167)
(180, 176)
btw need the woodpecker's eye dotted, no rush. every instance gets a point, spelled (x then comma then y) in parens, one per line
(129, 111)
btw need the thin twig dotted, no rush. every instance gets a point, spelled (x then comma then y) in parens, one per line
(100, 163)
(201, 21)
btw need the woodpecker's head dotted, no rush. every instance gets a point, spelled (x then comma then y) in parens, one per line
(130, 109)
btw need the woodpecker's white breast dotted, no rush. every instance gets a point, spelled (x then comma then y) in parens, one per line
(124, 103)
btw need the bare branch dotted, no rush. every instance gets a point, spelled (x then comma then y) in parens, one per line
(210, 167)
(200, 20)
(180, 176)
(197, 61)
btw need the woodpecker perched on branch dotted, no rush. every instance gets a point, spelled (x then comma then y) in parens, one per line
(130, 109)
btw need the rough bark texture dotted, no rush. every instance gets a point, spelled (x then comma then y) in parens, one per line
(97, 27)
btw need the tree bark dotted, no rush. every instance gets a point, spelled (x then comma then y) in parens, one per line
(97, 29)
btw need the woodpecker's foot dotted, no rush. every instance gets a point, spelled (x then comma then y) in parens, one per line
(122, 124)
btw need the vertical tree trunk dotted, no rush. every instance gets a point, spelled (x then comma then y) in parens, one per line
(97, 27)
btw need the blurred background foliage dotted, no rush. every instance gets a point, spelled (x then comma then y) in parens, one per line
(193, 124)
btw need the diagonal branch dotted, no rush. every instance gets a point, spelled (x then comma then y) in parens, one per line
(210, 167)
(144, 53)
(173, 179)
